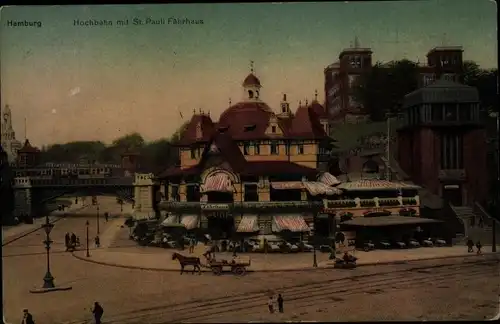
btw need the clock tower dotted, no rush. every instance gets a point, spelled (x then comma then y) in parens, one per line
(8, 138)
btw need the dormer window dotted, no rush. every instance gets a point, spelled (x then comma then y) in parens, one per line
(250, 94)
(249, 128)
(246, 149)
(223, 129)
(273, 129)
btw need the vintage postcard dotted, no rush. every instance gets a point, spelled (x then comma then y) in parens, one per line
(250, 162)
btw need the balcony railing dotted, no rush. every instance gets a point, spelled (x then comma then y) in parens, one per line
(244, 204)
(370, 203)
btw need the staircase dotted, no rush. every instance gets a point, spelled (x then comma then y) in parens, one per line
(477, 223)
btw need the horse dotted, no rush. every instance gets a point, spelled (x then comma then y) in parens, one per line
(184, 261)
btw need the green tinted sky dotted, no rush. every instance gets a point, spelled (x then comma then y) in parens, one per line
(138, 78)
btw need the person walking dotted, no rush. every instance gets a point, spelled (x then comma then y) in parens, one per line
(191, 245)
(67, 241)
(479, 246)
(106, 217)
(73, 239)
(98, 311)
(270, 304)
(27, 318)
(470, 246)
(280, 303)
(97, 241)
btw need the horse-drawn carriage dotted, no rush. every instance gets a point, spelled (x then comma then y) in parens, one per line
(237, 266)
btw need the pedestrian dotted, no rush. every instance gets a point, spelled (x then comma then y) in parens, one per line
(106, 216)
(97, 311)
(270, 304)
(73, 239)
(27, 318)
(479, 246)
(97, 241)
(280, 303)
(470, 246)
(191, 245)
(67, 241)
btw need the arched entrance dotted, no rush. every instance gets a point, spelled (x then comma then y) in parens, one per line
(218, 190)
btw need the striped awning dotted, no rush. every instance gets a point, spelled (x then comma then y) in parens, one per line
(219, 182)
(190, 221)
(328, 179)
(287, 185)
(292, 223)
(172, 219)
(319, 188)
(375, 184)
(248, 224)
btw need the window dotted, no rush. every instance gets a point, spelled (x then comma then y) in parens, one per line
(250, 94)
(437, 112)
(251, 193)
(192, 193)
(449, 77)
(256, 149)
(273, 129)
(193, 153)
(465, 112)
(451, 151)
(274, 148)
(428, 79)
(450, 112)
(246, 149)
(300, 149)
(287, 149)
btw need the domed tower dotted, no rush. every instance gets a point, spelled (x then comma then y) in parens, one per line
(251, 86)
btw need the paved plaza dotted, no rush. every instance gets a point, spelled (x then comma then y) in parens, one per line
(456, 288)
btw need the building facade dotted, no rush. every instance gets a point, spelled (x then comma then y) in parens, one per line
(442, 62)
(442, 145)
(8, 137)
(257, 172)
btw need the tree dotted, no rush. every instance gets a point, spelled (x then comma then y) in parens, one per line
(485, 81)
(130, 141)
(382, 89)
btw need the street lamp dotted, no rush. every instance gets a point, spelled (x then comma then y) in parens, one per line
(48, 280)
(313, 236)
(497, 198)
(97, 219)
(87, 232)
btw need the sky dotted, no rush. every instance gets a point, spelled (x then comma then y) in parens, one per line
(72, 82)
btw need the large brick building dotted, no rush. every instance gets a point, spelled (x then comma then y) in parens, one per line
(355, 61)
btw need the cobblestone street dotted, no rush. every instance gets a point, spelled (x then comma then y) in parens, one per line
(459, 291)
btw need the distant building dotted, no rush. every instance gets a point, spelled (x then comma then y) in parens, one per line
(445, 61)
(8, 137)
(442, 144)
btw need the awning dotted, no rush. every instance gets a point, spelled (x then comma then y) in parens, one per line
(287, 185)
(248, 224)
(319, 188)
(217, 182)
(170, 220)
(292, 223)
(190, 221)
(328, 179)
(388, 221)
(375, 184)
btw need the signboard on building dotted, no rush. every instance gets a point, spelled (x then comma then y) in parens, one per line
(223, 207)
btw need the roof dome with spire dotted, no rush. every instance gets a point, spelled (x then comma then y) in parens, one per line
(251, 80)
(28, 148)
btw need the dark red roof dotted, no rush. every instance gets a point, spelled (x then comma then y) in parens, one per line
(27, 148)
(251, 80)
(306, 124)
(189, 135)
(319, 109)
(277, 167)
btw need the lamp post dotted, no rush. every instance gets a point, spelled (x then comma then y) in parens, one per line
(87, 232)
(497, 197)
(48, 280)
(97, 220)
(313, 235)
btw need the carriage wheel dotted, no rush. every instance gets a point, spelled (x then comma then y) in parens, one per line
(217, 271)
(240, 271)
